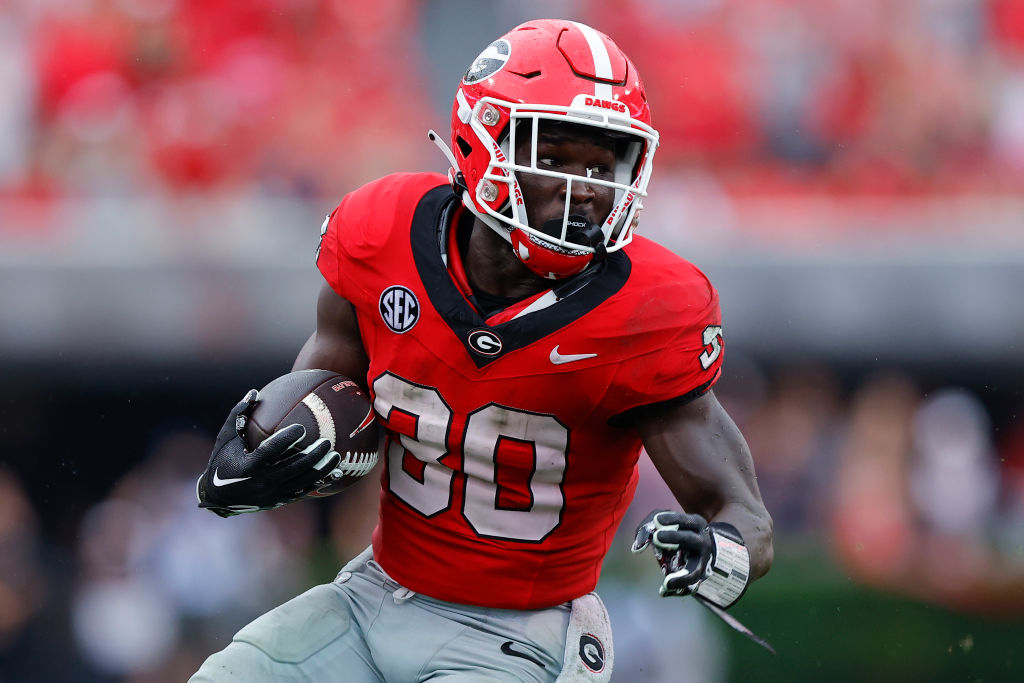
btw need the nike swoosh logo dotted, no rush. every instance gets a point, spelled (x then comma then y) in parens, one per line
(217, 481)
(558, 358)
(506, 648)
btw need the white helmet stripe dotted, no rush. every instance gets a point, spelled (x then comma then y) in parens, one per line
(602, 62)
(465, 111)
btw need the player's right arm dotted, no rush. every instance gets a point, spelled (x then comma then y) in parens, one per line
(276, 472)
(335, 343)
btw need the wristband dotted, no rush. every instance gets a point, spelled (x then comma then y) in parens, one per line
(729, 570)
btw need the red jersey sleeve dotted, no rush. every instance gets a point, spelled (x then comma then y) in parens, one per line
(366, 230)
(676, 335)
(329, 251)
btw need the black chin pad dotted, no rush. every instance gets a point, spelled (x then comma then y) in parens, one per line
(579, 230)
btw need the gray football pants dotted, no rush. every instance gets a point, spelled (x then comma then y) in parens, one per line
(364, 627)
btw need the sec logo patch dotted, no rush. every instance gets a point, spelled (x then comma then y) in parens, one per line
(399, 308)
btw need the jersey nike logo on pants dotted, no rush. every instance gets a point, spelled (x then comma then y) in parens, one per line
(506, 648)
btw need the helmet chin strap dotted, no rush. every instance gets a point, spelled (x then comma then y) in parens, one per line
(455, 176)
(443, 147)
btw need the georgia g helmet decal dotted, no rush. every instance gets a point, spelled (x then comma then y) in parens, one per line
(488, 62)
(549, 70)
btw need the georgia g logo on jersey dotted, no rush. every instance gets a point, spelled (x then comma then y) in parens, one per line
(399, 308)
(489, 62)
(485, 342)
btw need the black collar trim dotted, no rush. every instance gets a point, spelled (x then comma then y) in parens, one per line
(484, 344)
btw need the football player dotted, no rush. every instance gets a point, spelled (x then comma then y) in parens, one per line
(521, 346)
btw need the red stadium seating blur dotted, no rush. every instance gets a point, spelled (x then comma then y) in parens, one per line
(309, 99)
(186, 96)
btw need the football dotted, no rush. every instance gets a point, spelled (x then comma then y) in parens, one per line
(328, 405)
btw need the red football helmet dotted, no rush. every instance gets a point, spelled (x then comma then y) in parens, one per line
(550, 70)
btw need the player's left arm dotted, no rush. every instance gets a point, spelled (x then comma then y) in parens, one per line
(702, 456)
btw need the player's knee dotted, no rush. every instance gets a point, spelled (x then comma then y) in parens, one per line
(300, 627)
(270, 646)
(237, 662)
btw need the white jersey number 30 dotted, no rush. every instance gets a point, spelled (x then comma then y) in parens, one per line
(430, 491)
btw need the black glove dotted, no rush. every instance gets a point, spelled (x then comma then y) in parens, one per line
(274, 474)
(682, 545)
(710, 560)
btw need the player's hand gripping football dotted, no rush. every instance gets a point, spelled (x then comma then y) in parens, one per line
(275, 473)
(682, 545)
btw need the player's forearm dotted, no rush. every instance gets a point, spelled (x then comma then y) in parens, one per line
(755, 526)
(723, 460)
(733, 500)
(704, 459)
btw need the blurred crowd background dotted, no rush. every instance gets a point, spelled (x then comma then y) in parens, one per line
(850, 173)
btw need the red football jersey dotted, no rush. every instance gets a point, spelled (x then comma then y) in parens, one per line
(505, 472)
